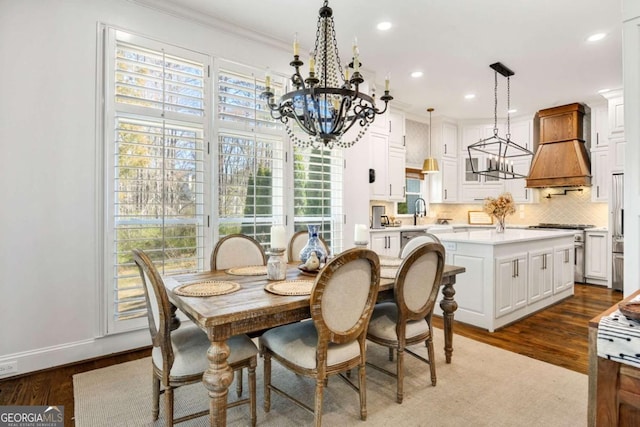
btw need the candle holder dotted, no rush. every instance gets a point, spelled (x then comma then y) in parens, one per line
(276, 265)
(361, 245)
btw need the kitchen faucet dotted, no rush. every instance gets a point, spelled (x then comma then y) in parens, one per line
(420, 209)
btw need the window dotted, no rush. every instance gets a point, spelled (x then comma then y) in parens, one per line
(156, 132)
(250, 158)
(412, 193)
(318, 193)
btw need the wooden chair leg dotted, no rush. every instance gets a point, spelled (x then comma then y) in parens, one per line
(267, 381)
(155, 387)
(432, 360)
(400, 375)
(239, 382)
(168, 406)
(252, 390)
(362, 385)
(318, 403)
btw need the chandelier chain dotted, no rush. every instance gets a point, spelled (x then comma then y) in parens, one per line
(508, 108)
(495, 103)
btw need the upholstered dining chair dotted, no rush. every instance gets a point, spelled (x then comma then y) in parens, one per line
(342, 299)
(298, 241)
(237, 250)
(407, 320)
(179, 356)
(417, 241)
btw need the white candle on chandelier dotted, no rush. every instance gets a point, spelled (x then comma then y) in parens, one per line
(312, 62)
(386, 82)
(296, 46)
(267, 79)
(356, 62)
(278, 237)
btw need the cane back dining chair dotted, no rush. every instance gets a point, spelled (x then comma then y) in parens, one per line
(179, 355)
(237, 250)
(341, 302)
(298, 241)
(417, 241)
(407, 320)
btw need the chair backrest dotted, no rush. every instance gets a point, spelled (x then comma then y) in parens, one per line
(417, 282)
(237, 250)
(298, 241)
(343, 297)
(158, 308)
(417, 241)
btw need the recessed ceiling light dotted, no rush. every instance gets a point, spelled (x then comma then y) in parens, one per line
(384, 26)
(417, 74)
(596, 37)
(604, 90)
(469, 96)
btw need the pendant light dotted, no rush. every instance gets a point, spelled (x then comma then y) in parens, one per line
(430, 165)
(498, 153)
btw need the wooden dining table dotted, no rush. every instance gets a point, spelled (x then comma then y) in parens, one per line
(252, 309)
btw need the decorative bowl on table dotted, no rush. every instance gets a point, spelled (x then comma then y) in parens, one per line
(308, 272)
(630, 309)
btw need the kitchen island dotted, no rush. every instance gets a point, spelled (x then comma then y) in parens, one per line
(509, 275)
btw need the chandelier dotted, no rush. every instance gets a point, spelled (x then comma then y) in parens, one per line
(500, 152)
(327, 103)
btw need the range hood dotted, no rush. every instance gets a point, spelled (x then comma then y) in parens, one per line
(561, 159)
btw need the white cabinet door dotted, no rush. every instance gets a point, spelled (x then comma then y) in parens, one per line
(378, 161)
(540, 275)
(443, 186)
(596, 259)
(601, 173)
(599, 126)
(445, 138)
(563, 268)
(386, 243)
(511, 284)
(616, 154)
(396, 174)
(396, 130)
(616, 117)
(521, 134)
(517, 187)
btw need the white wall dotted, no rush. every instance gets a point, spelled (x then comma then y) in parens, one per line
(51, 212)
(631, 67)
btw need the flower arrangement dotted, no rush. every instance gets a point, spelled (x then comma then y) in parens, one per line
(499, 208)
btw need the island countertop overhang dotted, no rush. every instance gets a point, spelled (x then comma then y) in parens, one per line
(510, 235)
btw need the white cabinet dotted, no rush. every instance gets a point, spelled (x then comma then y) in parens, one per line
(444, 184)
(599, 126)
(596, 256)
(445, 138)
(511, 283)
(563, 268)
(475, 187)
(616, 154)
(601, 174)
(517, 187)
(389, 166)
(616, 114)
(386, 243)
(396, 130)
(540, 275)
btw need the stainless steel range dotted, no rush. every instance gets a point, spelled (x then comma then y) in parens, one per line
(578, 239)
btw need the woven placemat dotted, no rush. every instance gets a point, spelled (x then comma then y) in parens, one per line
(388, 273)
(389, 261)
(290, 287)
(250, 270)
(207, 289)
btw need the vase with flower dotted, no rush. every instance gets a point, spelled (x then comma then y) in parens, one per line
(499, 208)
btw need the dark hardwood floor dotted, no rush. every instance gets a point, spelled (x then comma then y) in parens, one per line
(557, 335)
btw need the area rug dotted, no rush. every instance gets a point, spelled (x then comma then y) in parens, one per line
(483, 386)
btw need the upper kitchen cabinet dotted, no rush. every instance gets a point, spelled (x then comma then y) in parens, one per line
(388, 165)
(475, 187)
(396, 129)
(444, 184)
(599, 126)
(445, 138)
(601, 174)
(617, 140)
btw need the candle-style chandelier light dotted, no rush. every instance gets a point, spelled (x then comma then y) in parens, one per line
(327, 103)
(500, 152)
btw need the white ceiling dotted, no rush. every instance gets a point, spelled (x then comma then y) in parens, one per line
(453, 42)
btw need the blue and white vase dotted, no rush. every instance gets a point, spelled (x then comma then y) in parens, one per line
(313, 245)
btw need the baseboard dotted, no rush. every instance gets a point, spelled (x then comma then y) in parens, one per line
(49, 357)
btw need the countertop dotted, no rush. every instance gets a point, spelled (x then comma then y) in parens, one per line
(490, 237)
(458, 226)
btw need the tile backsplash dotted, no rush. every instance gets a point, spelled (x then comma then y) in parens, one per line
(573, 208)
